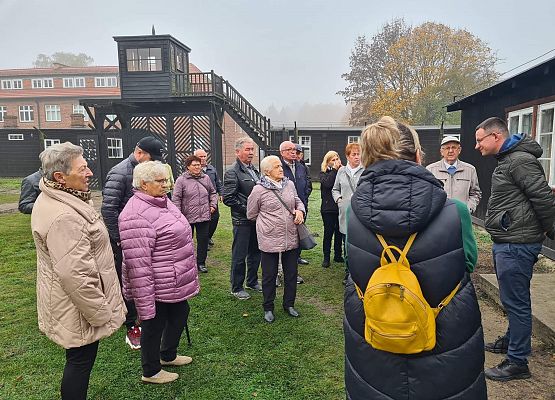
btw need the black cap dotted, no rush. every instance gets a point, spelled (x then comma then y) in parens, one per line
(298, 148)
(152, 146)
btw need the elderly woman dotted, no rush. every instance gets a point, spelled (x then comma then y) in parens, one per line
(195, 195)
(277, 209)
(159, 271)
(78, 296)
(329, 210)
(396, 198)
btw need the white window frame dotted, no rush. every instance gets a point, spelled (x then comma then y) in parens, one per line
(74, 82)
(12, 84)
(15, 136)
(550, 158)
(520, 114)
(36, 83)
(353, 139)
(115, 147)
(306, 143)
(3, 112)
(26, 113)
(79, 109)
(50, 142)
(53, 112)
(106, 81)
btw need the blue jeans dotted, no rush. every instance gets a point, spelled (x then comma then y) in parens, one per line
(514, 264)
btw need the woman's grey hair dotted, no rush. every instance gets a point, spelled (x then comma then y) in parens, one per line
(267, 164)
(239, 143)
(148, 171)
(58, 158)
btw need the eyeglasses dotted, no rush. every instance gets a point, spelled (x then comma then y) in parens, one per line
(162, 181)
(478, 141)
(449, 148)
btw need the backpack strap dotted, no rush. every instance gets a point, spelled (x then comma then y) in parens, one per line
(446, 300)
(403, 253)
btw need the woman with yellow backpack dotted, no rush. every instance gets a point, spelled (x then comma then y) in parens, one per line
(412, 323)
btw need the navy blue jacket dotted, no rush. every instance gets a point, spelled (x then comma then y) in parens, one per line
(395, 199)
(29, 192)
(302, 180)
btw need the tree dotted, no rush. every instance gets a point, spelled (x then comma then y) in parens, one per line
(412, 73)
(69, 59)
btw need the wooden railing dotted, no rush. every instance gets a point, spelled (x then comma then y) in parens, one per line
(211, 84)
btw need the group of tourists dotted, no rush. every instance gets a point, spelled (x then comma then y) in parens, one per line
(135, 264)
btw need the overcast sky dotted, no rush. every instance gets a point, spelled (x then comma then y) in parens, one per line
(274, 52)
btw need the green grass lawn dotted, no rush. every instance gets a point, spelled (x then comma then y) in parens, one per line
(236, 354)
(9, 190)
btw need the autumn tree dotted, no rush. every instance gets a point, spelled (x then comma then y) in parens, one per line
(412, 73)
(60, 57)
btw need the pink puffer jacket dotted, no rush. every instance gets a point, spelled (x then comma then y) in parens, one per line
(194, 196)
(159, 262)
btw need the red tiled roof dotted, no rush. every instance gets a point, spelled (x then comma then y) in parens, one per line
(74, 93)
(42, 72)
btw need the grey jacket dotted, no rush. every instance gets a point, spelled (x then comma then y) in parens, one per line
(521, 208)
(462, 185)
(342, 193)
(29, 192)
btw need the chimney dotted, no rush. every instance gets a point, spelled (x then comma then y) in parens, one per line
(77, 120)
(10, 121)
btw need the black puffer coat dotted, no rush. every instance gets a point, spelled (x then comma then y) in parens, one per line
(396, 198)
(238, 185)
(117, 191)
(521, 207)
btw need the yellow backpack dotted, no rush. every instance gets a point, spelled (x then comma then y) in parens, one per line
(398, 317)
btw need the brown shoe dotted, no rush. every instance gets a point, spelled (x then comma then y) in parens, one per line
(161, 377)
(178, 362)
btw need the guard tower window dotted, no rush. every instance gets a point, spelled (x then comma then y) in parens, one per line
(144, 59)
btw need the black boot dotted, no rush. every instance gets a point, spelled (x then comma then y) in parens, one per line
(326, 263)
(507, 371)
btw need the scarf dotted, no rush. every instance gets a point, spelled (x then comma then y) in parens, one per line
(85, 196)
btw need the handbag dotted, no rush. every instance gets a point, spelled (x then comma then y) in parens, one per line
(306, 239)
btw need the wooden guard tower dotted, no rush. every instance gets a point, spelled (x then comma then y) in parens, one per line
(162, 98)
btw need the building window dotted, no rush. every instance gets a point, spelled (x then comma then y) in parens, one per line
(74, 82)
(520, 121)
(53, 112)
(146, 59)
(305, 142)
(106, 81)
(12, 84)
(50, 142)
(115, 147)
(26, 113)
(36, 83)
(15, 136)
(40, 83)
(353, 139)
(544, 136)
(79, 109)
(3, 111)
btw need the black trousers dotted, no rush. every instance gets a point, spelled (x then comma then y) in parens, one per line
(269, 263)
(245, 246)
(77, 371)
(202, 240)
(160, 335)
(131, 317)
(214, 223)
(331, 229)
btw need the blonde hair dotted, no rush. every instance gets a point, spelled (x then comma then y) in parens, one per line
(380, 141)
(327, 158)
(148, 171)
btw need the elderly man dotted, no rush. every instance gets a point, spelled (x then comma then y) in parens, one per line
(217, 183)
(521, 213)
(29, 192)
(239, 180)
(118, 189)
(298, 173)
(459, 179)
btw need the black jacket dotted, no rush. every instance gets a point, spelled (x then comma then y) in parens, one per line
(29, 192)
(238, 184)
(521, 206)
(327, 179)
(117, 190)
(302, 180)
(213, 174)
(396, 198)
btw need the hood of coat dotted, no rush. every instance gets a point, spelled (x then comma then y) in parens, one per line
(264, 182)
(85, 209)
(520, 143)
(396, 198)
(161, 202)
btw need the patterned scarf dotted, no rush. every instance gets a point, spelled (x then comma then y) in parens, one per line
(85, 196)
